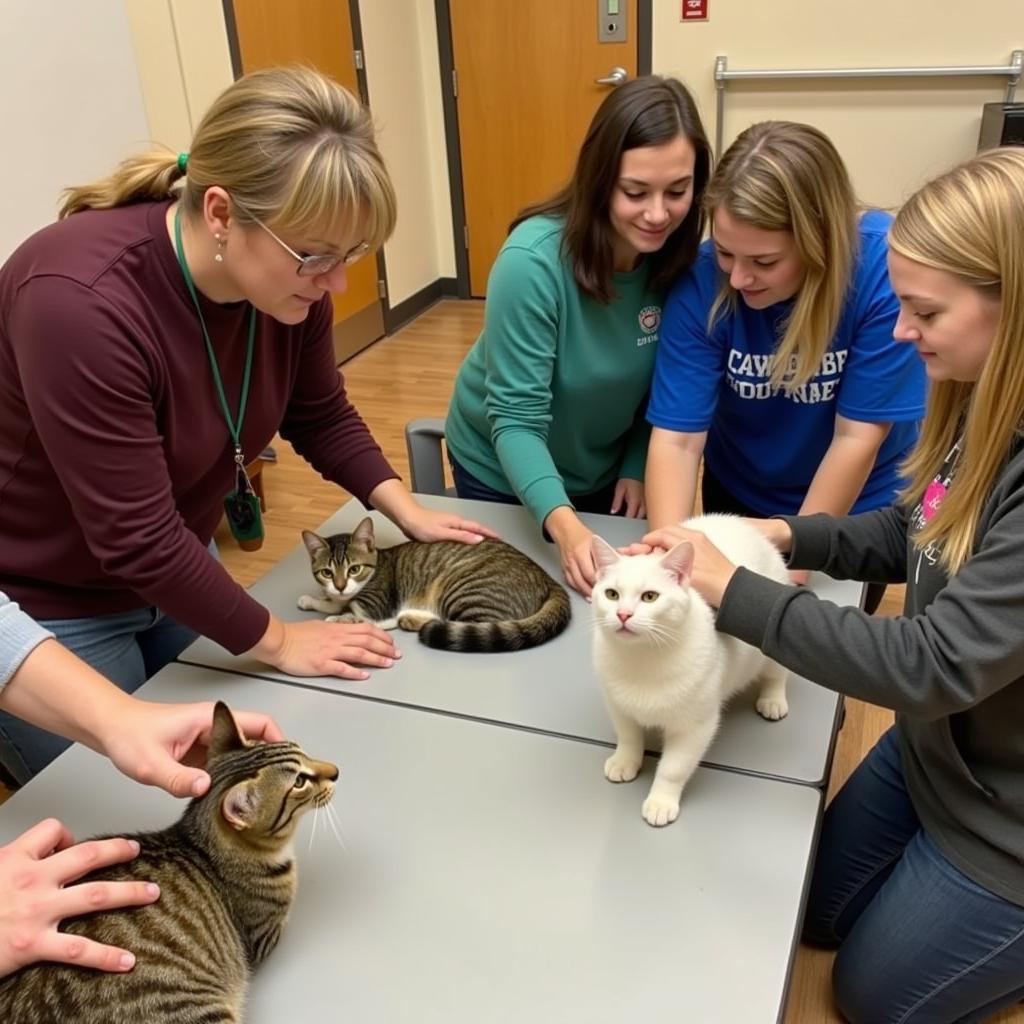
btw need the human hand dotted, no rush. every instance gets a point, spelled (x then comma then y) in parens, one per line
(663, 539)
(429, 524)
(319, 648)
(165, 744)
(799, 577)
(575, 545)
(36, 870)
(629, 495)
(711, 571)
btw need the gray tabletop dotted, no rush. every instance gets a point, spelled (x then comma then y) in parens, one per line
(551, 688)
(492, 874)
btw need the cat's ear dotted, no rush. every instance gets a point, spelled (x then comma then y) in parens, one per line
(604, 554)
(678, 562)
(314, 543)
(225, 735)
(363, 533)
(240, 805)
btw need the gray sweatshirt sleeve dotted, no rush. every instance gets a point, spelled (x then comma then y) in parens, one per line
(959, 649)
(19, 636)
(871, 546)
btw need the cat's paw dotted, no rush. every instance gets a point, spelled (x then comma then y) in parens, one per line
(622, 769)
(660, 810)
(344, 617)
(307, 603)
(772, 708)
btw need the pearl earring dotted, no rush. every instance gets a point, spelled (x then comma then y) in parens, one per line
(219, 257)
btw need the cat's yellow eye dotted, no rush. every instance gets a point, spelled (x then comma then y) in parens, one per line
(323, 574)
(649, 596)
(301, 781)
(612, 595)
(353, 570)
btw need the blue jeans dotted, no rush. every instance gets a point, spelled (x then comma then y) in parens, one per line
(918, 940)
(126, 647)
(469, 486)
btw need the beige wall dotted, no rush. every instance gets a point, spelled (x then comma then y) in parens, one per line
(72, 105)
(400, 46)
(893, 135)
(184, 62)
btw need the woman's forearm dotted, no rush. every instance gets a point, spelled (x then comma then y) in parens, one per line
(670, 483)
(57, 691)
(845, 468)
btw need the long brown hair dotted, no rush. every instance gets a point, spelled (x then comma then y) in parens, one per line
(648, 111)
(970, 223)
(785, 176)
(291, 145)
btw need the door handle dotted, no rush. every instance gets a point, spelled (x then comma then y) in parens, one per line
(614, 77)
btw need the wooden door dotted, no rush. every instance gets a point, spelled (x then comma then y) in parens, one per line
(526, 76)
(270, 33)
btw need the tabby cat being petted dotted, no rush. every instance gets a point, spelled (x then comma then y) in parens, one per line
(227, 881)
(458, 597)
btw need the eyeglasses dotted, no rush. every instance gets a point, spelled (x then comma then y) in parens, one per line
(312, 266)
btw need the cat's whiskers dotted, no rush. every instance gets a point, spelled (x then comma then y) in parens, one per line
(312, 831)
(335, 823)
(662, 635)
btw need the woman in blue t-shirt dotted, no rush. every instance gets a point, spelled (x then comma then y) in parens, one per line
(777, 362)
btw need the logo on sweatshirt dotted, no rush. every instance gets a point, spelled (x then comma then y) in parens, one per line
(650, 318)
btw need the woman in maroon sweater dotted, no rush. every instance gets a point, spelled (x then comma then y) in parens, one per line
(126, 330)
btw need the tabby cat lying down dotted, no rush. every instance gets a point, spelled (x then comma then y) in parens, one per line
(227, 881)
(458, 597)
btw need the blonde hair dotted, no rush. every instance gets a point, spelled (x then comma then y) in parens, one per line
(293, 147)
(784, 176)
(970, 223)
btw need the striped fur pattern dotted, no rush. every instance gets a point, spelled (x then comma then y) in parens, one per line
(227, 878)
(457, 597)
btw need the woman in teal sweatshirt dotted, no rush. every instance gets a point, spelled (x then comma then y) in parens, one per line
(549, 404)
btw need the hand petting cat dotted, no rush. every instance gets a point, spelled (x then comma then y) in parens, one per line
(36, 894)
(165, 744)
(426, 524)
(712, 571)
(432, 524)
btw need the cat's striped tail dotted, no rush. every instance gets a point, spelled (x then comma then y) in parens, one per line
(508, 635)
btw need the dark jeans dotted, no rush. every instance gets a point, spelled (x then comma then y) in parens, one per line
(468, 486)
(715, 498)
(919, 942)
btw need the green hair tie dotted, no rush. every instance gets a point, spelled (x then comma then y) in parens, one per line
(182, 162)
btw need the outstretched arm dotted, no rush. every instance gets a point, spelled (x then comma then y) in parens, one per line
(156, 744)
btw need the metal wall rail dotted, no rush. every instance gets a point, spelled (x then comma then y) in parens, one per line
(1011, 72)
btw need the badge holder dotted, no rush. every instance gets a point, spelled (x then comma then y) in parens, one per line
(242, 509)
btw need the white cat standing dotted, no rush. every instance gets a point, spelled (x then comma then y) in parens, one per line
(663, 665)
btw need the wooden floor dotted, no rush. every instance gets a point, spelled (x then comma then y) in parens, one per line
(409, 375)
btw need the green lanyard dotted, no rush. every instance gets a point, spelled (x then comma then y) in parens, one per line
(235, 428)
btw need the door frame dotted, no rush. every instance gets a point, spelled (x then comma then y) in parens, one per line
(364, 94)
(446, 62)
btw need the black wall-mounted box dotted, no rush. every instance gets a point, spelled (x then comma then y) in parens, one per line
(1002, 124)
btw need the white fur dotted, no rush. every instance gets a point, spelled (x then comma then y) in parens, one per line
(667, 668)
